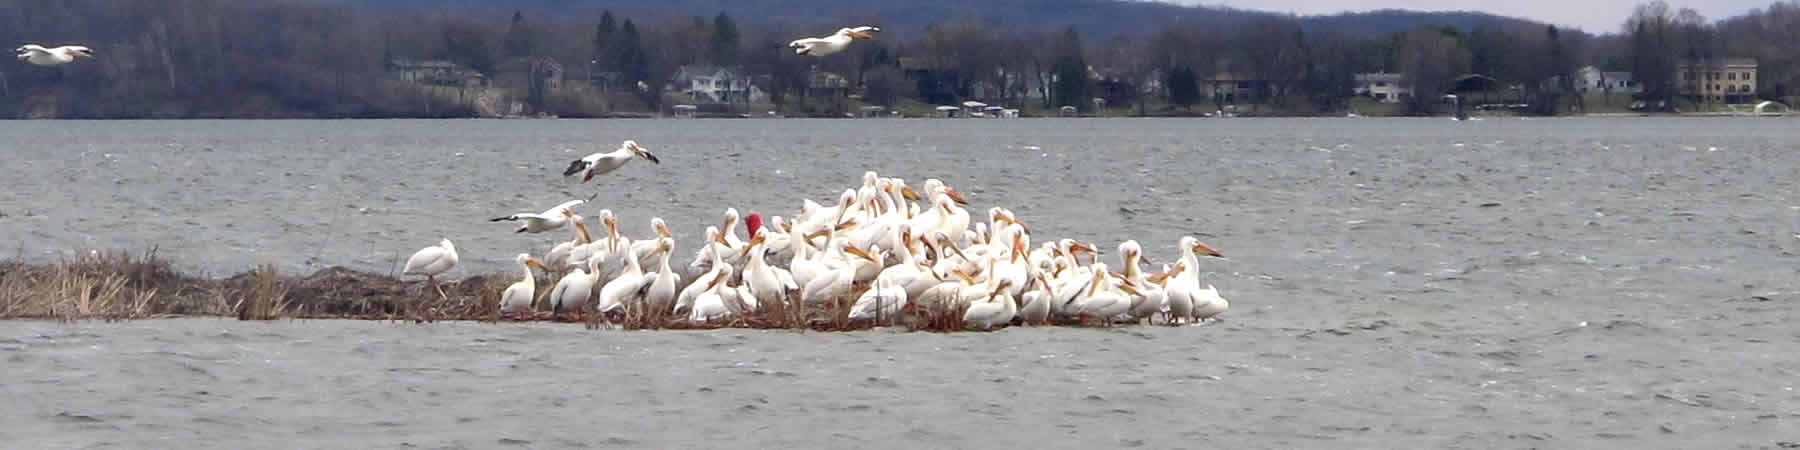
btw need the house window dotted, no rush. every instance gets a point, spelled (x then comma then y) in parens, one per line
(1731, 76)
(1381, 96)
(1378, 83)
(1747, 75)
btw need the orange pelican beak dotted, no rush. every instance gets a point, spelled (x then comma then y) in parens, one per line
(846, 224)
(663, 230)
(909, 193)
(860, 253)
(1202, 248)
(533, 262)
(861, 35)
(644, 153)
(720, 238)
(956, 195)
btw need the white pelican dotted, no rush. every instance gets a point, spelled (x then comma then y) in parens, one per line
(1036, 310)
(883, 302)
(1184, 287)
(431, 262)
(718, 269)
(1150, 297)
(550, 219)
(602, 163)
(834, 43)
(1178, 304)
(557, 260)
(37, 54)
(1208, 304)
(834, 281)
(629, 287)
(646, 251)
(1103, 299)
(764, 281)
(998, 309)
(518, 296)
(661, 296)
(709, 303)
(911, 274)
(612, 250)
(573, 290)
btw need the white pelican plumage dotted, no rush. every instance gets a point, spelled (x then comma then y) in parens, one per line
(646, 251)
(1208, 304)
(661, 296)
(550, 219)
(709, 301)
(1103, 299)
(1185, 295)
(557, 259)
(431, 262)
(629, 287)
(834, 43)
(717, 268)
(518, 296)
(602, 163)
(573, 290)
(1036, 310)
(880, 303)
(765, 282)
(38, 55)
(996, 310)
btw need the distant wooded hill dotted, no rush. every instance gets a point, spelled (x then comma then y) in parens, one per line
(1097, 18)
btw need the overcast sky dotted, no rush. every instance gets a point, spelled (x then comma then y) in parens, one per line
(1594, 16)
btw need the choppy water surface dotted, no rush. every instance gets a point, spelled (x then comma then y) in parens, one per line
(1571, 283)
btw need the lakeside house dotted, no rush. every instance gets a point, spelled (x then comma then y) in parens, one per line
(1383, 87)
(827, 84)
(1592, 79)
(525, 72)
(1724, 80)
(713, 84)
(1229, 88)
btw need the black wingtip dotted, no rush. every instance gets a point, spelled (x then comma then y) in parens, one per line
(574, 168)
(498, 219)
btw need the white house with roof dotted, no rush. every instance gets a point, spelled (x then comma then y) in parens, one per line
(1383, 87)
(1592, 79)
(712, 84)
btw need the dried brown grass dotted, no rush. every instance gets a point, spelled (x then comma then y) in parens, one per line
(122, 285)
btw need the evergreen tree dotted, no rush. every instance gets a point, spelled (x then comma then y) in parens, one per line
(723, 47)
(519, 40)
(603, 37)
(1184, 87)
(1071, 72)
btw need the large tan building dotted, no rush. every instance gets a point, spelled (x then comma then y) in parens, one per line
(1726, 80)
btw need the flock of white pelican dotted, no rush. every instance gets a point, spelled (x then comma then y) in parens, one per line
(883, 253)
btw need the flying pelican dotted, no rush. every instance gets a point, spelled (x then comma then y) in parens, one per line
(517, 297)
(550, 219)
(834, 43)
(431, 262)
(602, 163)
(37, 54)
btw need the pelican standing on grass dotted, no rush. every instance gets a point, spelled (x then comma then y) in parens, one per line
(431, 262)
(834, 43)
(38, 55)
(603, 163)
(516, 299)
(550, 219)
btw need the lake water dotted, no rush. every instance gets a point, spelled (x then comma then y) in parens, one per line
(1395, 283)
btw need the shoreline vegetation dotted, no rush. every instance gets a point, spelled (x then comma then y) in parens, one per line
(120, 286)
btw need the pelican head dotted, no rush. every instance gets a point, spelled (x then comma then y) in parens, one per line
(445, 243)
(665, 244)
(606, 218)
(661, 228)
(528, 261)
(1194, 244)
(731, 218)
(713, 235)
(870, 178)
(847, 198)
(633, 147)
